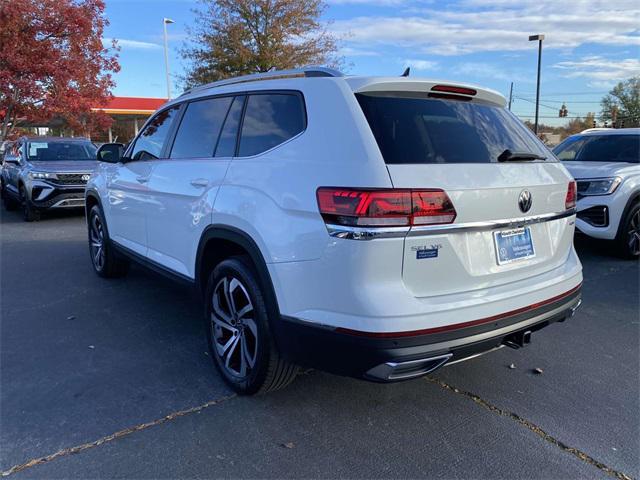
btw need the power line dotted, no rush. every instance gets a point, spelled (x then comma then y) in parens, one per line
(547, 94)
(569, 101)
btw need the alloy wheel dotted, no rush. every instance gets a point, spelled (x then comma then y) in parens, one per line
(96, 243)
(235, 331)
(633, 237)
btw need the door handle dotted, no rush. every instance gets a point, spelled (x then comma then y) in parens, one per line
(200, 182)
(142, 179)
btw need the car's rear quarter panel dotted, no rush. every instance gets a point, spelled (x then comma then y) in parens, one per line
(272, 196)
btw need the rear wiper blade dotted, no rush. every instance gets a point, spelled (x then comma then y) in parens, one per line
(509, 156)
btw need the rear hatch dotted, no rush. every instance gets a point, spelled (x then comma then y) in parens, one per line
(512, 220)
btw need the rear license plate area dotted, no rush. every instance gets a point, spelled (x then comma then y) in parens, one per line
(513, 245)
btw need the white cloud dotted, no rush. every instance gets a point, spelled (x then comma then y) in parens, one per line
(601, 72)
(131, 44)
(487, 70)
(417, 64)
(357, 52)
(470, 26)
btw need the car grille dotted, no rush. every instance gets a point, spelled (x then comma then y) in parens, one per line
(70, 179)
(597, 216)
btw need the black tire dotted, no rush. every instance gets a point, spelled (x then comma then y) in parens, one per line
(252, 337)
(105, 260)
(29, 212)
(8, 202)
(628, 238)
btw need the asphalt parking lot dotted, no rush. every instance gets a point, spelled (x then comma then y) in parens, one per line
(109, 379)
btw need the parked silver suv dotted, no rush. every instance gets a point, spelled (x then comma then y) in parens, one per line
(40, 173)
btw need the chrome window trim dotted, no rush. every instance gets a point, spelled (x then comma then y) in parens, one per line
(367, 233)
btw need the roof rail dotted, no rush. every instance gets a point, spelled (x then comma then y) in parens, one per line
(309, 71)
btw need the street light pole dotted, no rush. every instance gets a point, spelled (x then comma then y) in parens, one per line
(166, 21)
(539, 38)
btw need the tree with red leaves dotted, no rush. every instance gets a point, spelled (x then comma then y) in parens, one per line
(53, 63)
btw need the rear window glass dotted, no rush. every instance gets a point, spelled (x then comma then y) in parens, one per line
(270, 119)
(52, 151)
(200, 127)
(600, 148)
(424, 130)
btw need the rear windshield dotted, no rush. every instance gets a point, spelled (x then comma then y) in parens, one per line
(600, 148)
(420, 130)
(52, 151)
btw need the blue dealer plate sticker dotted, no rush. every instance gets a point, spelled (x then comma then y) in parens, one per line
(513, 245)
(427, 253)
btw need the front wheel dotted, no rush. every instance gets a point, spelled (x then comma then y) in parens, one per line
(238, 333)
(29, 212)
(628, 238)
(105, 260)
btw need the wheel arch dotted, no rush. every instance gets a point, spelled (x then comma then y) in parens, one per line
(634, 199)
(219, 242)
(91, 199)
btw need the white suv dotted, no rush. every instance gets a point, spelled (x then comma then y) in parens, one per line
(371, 227)
(606, 164)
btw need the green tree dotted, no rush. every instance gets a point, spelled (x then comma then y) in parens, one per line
(237, 37)
(623, 102)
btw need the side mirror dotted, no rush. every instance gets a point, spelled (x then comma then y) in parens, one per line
(110, 152)
(13, 159)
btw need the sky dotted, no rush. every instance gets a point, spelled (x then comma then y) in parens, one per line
(589, 45)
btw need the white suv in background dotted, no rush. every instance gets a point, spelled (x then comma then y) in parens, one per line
(606, 165)
(371, 227)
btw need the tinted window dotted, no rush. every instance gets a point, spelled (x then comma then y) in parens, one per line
(601, 148)
(200, 127)
(149, 144)
(269, 120)
(568, 149)
(421, 130)
(52, 151)
(227, 143)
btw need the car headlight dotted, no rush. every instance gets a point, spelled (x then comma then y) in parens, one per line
(41, 175)
(598, 186)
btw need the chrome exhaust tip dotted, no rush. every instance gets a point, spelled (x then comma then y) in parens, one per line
(572, 312)
(390, 371)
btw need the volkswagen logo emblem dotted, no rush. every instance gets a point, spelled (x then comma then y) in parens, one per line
(85, 178)
(524, 201)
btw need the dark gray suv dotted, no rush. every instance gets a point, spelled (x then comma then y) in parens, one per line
(41, 173)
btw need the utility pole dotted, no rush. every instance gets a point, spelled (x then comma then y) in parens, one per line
(539, 38)
(166, 21)
(510, 95)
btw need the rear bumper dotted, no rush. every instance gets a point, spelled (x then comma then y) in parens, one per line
(386, 357)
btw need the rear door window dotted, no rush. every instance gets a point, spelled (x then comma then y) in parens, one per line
(416, 130)
(200, 128)
(229, 135)
(270, 119)
(151, 140)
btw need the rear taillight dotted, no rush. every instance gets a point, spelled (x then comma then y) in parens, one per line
(570, 199)
(384, 208)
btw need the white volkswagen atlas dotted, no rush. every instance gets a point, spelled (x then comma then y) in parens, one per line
(372, 227)
(606, 164)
